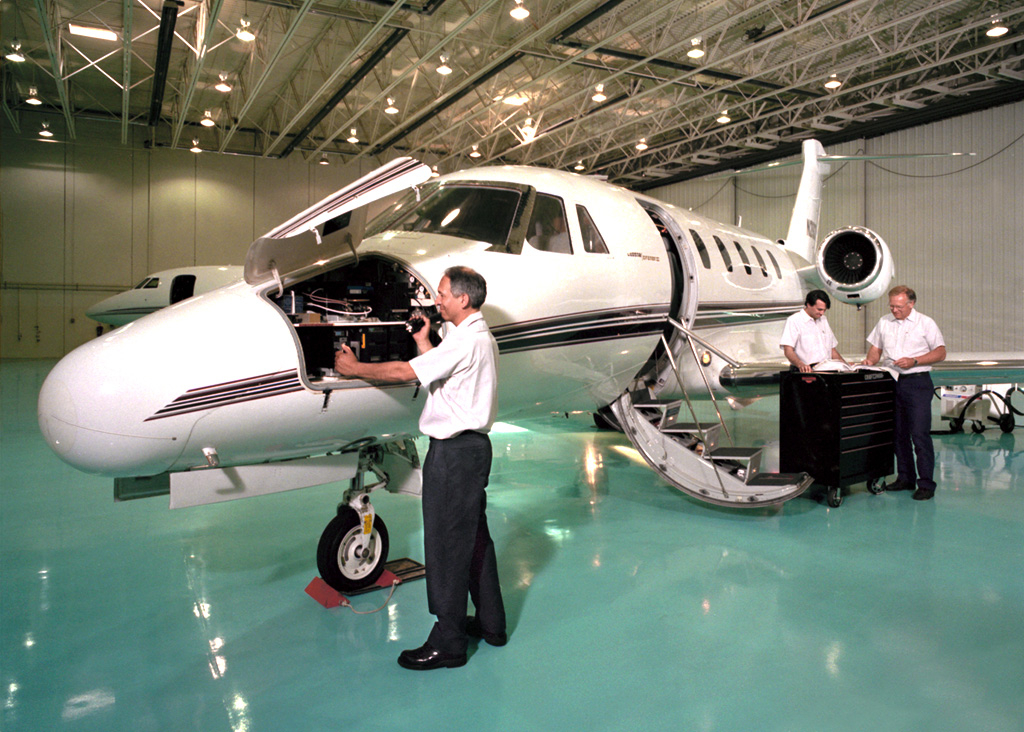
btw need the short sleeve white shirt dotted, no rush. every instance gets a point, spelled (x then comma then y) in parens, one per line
(912, 337)
(812, 339)
(461, 378)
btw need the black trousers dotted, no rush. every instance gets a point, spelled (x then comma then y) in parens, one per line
(458, 548)
(913, 426)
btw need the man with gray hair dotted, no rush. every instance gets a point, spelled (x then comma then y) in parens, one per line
(910, 342)
(460, 375)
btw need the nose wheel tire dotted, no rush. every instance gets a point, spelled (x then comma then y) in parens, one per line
(348, 559)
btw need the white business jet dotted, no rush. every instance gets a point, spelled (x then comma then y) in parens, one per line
(626, 305)
(160, 289)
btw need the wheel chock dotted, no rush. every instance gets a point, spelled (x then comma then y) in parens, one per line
(330, 597)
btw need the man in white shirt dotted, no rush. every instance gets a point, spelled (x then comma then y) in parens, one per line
(910, 342)
(460, 375)
(807, 338)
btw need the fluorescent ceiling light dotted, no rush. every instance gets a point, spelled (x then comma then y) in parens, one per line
(444, 69)
(45, 132)
(579, 166)
(519, 12)
(391, 108)
(89, 31)
(323, 159)
(696, 48)
(223, 85)
(32, 98)
(998, 28)
(207, 120)
(599, 93)
(724, 118)
(195, 147)
(642, 145)
(352, 136)
(475, 153)
(833, 82)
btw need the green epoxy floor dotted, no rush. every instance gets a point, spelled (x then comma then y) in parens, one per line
(632, 607)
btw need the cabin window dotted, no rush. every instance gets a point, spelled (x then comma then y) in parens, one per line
(479, 213)
(547, 230)
(778, 270)
(592, 240)
(702, 250)
(725, 254)
(760, 261)
(743, 258)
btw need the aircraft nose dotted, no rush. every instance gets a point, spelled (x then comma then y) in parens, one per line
(89, 414)
(58, 416)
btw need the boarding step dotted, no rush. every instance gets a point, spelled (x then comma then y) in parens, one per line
(748, 459)
(643, 399)
(678, 458)
(709, 433)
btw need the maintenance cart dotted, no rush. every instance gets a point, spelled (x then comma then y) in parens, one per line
(838, 427)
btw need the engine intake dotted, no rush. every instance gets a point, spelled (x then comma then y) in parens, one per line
(854, 264)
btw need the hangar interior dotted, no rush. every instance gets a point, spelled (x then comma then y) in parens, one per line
(630, 604)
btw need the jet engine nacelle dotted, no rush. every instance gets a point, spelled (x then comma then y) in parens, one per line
(855, 265)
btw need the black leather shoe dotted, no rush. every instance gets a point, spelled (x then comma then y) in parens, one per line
(923, 494)
(426, 657)
(899, 485)
(473, 630)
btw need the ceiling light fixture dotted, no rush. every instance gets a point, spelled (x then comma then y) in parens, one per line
(90, 31)
(998, 28)
(195, 146)
(32, 97)
(15, 53)
(528, 131)
(323, 159)
(444, 69)
(517, 100)
(207, 120)
(642, 145)
(519, 12)
(223, 85)
(599, 93)
(391, 108)
(724, 118)
(245, 32)
(696, 48)
(475, 153)
(352, 136)
(833, 82)
(45, 132)
(579, 166)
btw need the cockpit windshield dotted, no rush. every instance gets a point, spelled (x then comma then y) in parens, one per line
(476, 212)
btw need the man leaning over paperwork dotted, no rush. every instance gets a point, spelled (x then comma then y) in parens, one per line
(807, 339)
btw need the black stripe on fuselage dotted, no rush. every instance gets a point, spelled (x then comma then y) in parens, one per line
(718, 314)
(231, 392)
(585, 327)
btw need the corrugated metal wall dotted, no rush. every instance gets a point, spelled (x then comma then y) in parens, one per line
(955, 225)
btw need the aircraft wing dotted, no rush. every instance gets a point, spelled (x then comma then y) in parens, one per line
(957, 369)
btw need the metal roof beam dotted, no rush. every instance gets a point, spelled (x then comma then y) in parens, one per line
(49, 25)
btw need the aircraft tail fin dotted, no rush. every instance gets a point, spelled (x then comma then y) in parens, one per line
(803, 224)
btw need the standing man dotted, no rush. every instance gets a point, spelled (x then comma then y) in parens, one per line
(910, 342)
(460, 375)
(807, 338)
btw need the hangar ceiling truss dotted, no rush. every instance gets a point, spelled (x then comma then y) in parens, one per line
(613, 87)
